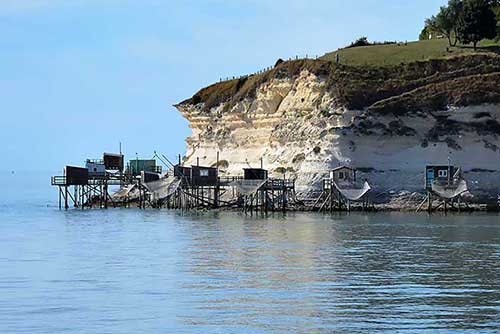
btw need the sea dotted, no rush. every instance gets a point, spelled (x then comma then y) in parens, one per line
(161, 271)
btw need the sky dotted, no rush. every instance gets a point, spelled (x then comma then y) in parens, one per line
(77, 77)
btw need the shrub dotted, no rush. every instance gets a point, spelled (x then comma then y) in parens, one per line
(299, 158)
(362, 41)
(280, 170)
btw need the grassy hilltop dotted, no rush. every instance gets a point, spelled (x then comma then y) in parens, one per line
(441, 69)
(385, 78)
(395, 54)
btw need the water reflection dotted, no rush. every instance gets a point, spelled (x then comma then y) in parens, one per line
(134, 271)
(312, 273)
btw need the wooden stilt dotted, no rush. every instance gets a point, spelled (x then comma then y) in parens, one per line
(105, 193)
(429, 202)
(66, 207)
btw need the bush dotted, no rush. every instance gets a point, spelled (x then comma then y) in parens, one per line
(280, 170)
(299, 158)
(363, 41)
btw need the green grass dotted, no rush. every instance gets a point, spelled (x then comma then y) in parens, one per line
(394, 54)
(369, 74)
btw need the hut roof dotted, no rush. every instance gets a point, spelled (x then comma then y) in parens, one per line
(113, 154)
(202, 167)
(341, 167)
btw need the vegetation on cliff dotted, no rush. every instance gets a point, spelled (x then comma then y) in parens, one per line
(403, 53)
(359, 87)
(467, 21)
(394, 77)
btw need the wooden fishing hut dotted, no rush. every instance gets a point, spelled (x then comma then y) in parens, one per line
(96, 168)
(113, 162)
(204, 187)
(147, 177)
(256, 191)
(445, 184)
(343, 174)
(199, 188)
(439, 173)
(73, 177)
(341, 189)
(255, 174)
(136, 166)
(89, 186)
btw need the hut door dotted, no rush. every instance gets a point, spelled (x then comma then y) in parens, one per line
(430, 177)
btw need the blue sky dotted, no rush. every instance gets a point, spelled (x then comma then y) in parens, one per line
(79, 76)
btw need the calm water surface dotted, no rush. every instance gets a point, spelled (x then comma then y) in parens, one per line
(132, 271)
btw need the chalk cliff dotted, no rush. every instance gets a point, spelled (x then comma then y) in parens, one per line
(304, 117)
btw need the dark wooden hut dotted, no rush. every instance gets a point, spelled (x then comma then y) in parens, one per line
(76, 175)
(113, 161)
(204, 176)
(255, 174)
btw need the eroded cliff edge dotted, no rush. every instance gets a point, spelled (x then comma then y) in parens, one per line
(304, 117)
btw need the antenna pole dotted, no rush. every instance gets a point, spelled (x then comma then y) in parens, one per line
(449, 169)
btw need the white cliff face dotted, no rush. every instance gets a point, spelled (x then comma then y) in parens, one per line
(296, 126)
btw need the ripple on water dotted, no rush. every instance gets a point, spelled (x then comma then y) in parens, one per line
(123, 271)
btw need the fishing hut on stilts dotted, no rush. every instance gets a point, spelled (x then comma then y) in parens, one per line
(193, 187)
(341, 190)
(257, 192)
(88, 186)
(445, 185)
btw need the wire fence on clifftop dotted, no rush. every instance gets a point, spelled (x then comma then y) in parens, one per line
(306, 56)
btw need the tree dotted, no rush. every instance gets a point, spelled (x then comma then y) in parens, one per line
(362, 41)
(496, 10)
(424, 34)
(445, 22)
(477, 22)
(455, 8)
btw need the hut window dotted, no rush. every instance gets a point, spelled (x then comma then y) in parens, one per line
(204, 172)
(341, 175)
(443, 173)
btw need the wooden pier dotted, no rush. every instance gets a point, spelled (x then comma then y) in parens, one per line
(91, 192)
(182, 187)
